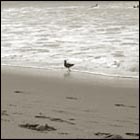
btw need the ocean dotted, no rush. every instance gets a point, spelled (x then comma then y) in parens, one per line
(102, 39)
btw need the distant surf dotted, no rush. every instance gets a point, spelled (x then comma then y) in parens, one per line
(43, 34)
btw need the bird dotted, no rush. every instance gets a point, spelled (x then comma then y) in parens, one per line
(68, 65)
(94, 6)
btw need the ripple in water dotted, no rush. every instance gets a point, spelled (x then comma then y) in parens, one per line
(96, 40)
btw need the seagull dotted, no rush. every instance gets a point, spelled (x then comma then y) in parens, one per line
(94, 6)
(68, 65)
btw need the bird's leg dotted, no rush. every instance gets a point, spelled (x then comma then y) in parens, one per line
(69, 69)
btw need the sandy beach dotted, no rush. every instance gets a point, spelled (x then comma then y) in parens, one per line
(39, 103)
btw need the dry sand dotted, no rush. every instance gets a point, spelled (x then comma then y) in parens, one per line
(73, 105)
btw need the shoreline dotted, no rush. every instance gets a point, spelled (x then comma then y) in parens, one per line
(76, 105)
(86, 72)
(75, 73)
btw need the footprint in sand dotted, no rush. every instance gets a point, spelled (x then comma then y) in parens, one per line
(12, 105)
(101, 134)
(108, 135)
(71, 119)
(17, 113)
(17, 91)
(63, 133)
(37, 127)
(20, 92)
(132, 106)
(60, 111)
(133, 134)
(41, 117)
(54, 119)
(4, 113)
(4, 116)
(122, 105)
(5, 120)
(114, 137)
(72, 98)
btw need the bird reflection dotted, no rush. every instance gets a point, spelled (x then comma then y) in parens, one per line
(67, 74)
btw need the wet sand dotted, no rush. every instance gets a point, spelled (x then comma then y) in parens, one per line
(40, 103)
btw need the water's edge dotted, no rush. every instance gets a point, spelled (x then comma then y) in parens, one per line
(93, 73)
